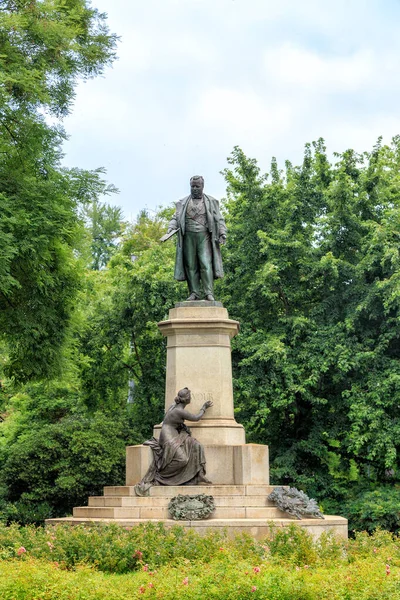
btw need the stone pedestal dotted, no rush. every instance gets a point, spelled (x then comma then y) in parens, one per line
(199, 357)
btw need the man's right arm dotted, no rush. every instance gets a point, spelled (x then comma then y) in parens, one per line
(173, 224)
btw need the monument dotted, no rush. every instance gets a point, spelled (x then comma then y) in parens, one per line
(213, 460)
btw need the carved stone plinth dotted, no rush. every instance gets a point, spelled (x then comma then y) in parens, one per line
(199, 357)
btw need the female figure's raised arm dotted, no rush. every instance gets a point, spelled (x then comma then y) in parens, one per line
(187, 416)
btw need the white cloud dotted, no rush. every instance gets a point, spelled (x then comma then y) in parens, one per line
(152, 48)
(231, 111)
(291, 65)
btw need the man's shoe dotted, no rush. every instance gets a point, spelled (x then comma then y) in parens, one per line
(191, 298)
(210, 298)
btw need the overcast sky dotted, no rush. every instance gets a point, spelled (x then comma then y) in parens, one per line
(194, 78)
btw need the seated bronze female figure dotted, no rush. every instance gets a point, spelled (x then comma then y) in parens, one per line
(178, 458)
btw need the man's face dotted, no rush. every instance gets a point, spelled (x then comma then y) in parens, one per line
(196, 188)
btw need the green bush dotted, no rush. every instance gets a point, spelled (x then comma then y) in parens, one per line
(375, 509)
(53, 467)
(113, 549)
(212, 568)
(369, 509)
(293, 545)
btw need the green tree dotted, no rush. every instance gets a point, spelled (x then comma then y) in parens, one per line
(54, 453)
(105, 227)
(312, 274)
(45, 47)
(119, 341)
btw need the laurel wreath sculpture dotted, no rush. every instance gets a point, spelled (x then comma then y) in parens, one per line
(296, 503)
(191, 508)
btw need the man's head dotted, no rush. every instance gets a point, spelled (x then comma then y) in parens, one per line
(196, 186)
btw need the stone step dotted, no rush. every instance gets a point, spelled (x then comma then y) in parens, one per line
(163, 501)
(210, 490)
(161, 512)
(257, 528)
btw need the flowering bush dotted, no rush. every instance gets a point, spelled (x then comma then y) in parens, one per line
(152, 561)
(360, 575)
(113, 549)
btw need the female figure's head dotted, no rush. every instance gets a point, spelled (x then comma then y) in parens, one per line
(183, 396)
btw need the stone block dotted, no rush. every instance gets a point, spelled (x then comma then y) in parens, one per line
(119, 490)
(225, 464)
(143, 501)
(265, 512)
(127, 512)
(211, 490)
(154, 512)
(251, 464)
(259, 490)
(239, 500)
(97, 501)
(93, 512)
(219, 464)
(229, 512)
(138, 460)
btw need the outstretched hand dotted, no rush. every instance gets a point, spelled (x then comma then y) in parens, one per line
(207, 404)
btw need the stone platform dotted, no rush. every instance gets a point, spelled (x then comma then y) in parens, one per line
(239, 508)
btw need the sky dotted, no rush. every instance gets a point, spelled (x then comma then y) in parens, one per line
(194, 78)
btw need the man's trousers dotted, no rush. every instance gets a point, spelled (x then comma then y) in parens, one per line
(197, 260)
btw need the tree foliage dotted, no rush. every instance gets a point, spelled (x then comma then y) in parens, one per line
(63, 440)
(45, 47)
(313, 275)
(104, 228)
(54, 453)
(120, 342)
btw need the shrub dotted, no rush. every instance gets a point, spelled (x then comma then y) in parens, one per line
(52, 467)
(113, 549)
(375, 509)
(225, 572)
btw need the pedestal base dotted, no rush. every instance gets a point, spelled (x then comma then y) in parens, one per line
(238, 508)
(225, 465)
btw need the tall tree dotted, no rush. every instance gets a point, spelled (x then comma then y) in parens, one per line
(105, 226)
(119, 341)
(312, 267)
(45, 47)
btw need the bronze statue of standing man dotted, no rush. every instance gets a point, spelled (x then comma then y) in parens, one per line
(201, 230)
